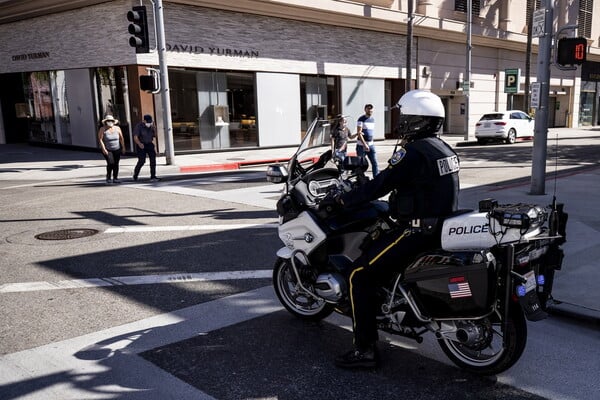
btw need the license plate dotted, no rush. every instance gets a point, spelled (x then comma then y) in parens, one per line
(531, 281)
(487, 124)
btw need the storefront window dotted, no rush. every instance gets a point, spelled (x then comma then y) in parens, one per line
(111, 87)
(586, 103)
(38, 109)
(319, 96)
(212, 110)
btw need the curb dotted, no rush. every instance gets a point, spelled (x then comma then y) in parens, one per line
(229, 166)
(574, 311)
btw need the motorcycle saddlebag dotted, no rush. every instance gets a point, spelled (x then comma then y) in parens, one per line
(453, 285)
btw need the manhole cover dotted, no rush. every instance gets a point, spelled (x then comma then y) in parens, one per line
(66, 234)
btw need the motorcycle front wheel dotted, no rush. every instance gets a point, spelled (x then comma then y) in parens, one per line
(295, 299)
(494, 358)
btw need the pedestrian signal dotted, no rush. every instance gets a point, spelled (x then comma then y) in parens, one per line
(571, 51)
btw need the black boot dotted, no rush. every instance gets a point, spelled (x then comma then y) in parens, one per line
(359, 358)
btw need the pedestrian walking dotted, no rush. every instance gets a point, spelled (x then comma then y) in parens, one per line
(365, 130)
(112, 145)
(144, 135)
(340, 133)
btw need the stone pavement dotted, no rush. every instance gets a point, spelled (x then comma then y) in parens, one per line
(576, 285)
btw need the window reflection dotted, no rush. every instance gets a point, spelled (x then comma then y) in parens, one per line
(212, 110)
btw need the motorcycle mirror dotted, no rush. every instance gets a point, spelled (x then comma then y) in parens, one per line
(276, 173)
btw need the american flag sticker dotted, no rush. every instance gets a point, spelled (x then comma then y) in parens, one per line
(460, 289)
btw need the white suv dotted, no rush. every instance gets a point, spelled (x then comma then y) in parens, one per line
(504, 125)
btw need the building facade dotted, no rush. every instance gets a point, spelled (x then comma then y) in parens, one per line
(255, 73)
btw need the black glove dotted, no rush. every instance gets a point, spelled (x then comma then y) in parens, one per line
(331, 202)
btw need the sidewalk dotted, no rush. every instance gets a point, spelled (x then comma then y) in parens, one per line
(576, 285)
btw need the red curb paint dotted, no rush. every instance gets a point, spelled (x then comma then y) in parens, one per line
(209, 167)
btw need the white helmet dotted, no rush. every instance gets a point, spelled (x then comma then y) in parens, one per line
(421, 112)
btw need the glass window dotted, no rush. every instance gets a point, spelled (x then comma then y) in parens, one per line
(319, 96)
(461, 5)
(585, 17)
(586, 103)
(110, 84)
(38, 96)
(212, 109)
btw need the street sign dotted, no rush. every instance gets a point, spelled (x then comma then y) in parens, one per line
(539, 22)
(511, 80)
(535, 95)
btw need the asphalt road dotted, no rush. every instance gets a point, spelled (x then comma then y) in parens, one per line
(196, 251)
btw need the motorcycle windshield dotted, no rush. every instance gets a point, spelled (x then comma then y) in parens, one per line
(315, 142)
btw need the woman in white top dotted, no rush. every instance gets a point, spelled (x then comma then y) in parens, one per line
(112, 145)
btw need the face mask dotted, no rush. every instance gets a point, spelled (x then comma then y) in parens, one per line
(109, 123)
(148, 124)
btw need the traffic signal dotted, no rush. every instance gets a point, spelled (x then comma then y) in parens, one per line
(148, 83)
(571, 51)
(139, 29)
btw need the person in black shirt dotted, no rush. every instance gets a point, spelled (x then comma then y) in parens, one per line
(144, 135)
(422, 179)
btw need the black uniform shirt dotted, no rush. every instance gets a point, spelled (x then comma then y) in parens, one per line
(424, 178)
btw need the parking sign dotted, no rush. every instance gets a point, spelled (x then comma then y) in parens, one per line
(511, 80)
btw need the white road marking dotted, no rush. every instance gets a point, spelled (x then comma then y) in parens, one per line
(221, 227)
(107, 364)
(257, 196)
(20, 287)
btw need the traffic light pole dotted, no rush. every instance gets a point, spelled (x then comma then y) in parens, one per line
(540, 138)
(164, 82)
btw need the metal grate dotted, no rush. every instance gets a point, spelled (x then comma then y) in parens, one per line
(66, 234)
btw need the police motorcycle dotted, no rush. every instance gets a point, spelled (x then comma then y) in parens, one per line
(493, 272)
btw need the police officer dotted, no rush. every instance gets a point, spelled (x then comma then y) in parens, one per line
(423, 180)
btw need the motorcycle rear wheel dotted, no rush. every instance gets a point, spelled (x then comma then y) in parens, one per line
(495, 358)
(293, 298)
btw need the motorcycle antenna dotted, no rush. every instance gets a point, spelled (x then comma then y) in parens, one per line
(555, 169)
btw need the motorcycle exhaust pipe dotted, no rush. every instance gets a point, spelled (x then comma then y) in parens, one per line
(468, 335)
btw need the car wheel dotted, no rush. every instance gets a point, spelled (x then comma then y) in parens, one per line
(481, 141)
(512, 136)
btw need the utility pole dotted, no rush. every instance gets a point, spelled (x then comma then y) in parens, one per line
(164, 82)
(467, 81)
(409, 45)
(540, 138)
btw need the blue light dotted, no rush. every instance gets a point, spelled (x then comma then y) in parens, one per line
(541, 280)
(521, 290)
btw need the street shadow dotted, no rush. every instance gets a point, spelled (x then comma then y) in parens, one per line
(270, 356)
(515, 154)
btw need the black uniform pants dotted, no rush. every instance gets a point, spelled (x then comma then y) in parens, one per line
(388, 254)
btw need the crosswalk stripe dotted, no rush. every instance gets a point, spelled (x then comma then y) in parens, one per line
(20, 287)
(169, 228)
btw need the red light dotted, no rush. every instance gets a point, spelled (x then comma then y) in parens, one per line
(500, 123)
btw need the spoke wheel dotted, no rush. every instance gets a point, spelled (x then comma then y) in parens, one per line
(293, 298)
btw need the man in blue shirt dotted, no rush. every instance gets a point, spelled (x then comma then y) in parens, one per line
(365, 129)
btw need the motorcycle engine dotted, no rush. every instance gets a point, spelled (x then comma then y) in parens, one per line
(331, 287)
